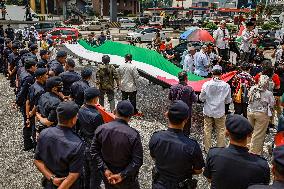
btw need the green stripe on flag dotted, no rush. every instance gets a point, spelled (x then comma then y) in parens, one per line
(139, 54)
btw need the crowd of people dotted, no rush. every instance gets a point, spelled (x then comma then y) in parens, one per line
(75, 148)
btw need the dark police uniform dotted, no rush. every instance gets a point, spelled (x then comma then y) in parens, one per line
(10, 33)
(13, 61)
(56, 67)
(2, 46)
(26, 79)
(42, 63)
(234, 167)
(6, 54)
(176, 157)
(117, 147)
(89, 119)
(278, 159)
(77, 91)
(68, 78)
(60, 149)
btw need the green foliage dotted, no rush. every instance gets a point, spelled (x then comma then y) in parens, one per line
(210, 25)
(270, 26)
(232, 28)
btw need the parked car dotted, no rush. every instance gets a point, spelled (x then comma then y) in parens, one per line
(44, 27)
(180, 48)
(73, 21)
(70, 33)
(92, 26)
(127, 24)
(144, 35)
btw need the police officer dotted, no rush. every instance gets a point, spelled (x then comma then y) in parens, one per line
(69, 76)
(26, 79)
(2, 31)
(234, 167)
(6, 53)
(56, 66)
(106, 76)
(35, 92)
(10, 33)
(12, 64)
(277, 170)
(176, 156)
(2, 46)
(43, 62)
(89, 119)
(117, 148)
(77, 89)
(59, 154)
(48, 103)
(33, 51)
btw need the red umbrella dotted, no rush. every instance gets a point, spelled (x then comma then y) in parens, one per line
(200, 35)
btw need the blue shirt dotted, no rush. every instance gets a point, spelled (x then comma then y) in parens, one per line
(26, 79)
(35, 91)
(56, 67)
(201, 64)
(77, 91)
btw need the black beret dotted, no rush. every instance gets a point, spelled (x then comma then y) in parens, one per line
(91, 93)
(278, 155)
(125, 108)
(53, 82)
(43, 52)
(70, 62)
(238, 125)
(179, 109)
(40, 72)
(61, 54)
(86, 72)
(67, 110)
(33, 47)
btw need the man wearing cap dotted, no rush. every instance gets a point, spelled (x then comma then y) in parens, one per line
(215, 94)
(188, 64)
(129, 76)
(234, 167)
(77, 88)
(10, 33)
(202, 62)
(6, 53)
(277, 170)
(33, 51)
(69, 76)
(222, 36)
(26, 79)
(184, 92)
(12, 64)
(247, 37)
(35, 92)
(56, 66)
(48, 102)
(106, 78)
(118, 150)
(43, 62)
(176, 156)
(59, 154)
(89, 119)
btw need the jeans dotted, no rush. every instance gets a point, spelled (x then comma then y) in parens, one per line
(132, 98)
(110, 97)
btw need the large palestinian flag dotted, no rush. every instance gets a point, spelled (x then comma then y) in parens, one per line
(150, 64)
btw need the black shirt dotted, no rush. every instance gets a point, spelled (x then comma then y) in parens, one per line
(68, 78)
(176, 156)
(117, 147)
(35, 92)
(26, 79)
(275, 185)
(62, 151)
(56, 67)
(235, 168)
(77, 91)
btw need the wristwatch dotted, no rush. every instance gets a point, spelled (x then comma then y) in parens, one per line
(52, 178)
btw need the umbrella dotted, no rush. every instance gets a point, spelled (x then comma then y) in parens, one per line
(201, 36)
(185, 34)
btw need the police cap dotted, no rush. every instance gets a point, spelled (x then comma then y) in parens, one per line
(278, 155)
(70, 62)
(105, 59)
(179, 110)
(30, 62)
(15, 46)
(33, 47)
(53, 82)
(43, 52)
(86, 72)
(61, 54)
(67, 110)
(40, 72)
(238, 125)
(91, 93)
(125, 108)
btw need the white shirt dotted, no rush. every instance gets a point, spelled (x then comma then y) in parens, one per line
(201, 63)
(128, 77)
(279, 35)
(278, 54)
(219, 37)
(246, 41)
(215, 94)
(188, 65)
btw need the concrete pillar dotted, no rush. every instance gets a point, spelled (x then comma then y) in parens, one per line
(42, 7)
(64, 8)
(113, 10)
(33, 5)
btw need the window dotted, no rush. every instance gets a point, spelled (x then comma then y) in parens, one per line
(68, 32)
(54, 33)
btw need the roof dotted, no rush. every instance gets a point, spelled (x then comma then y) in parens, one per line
(234, 10)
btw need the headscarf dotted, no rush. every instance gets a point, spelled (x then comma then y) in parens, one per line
(259, 88)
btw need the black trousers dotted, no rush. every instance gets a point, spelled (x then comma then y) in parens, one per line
(92, 176)
(241, 109)
(27, 131)
(224, 53)
(125, 184)
(132, 98)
